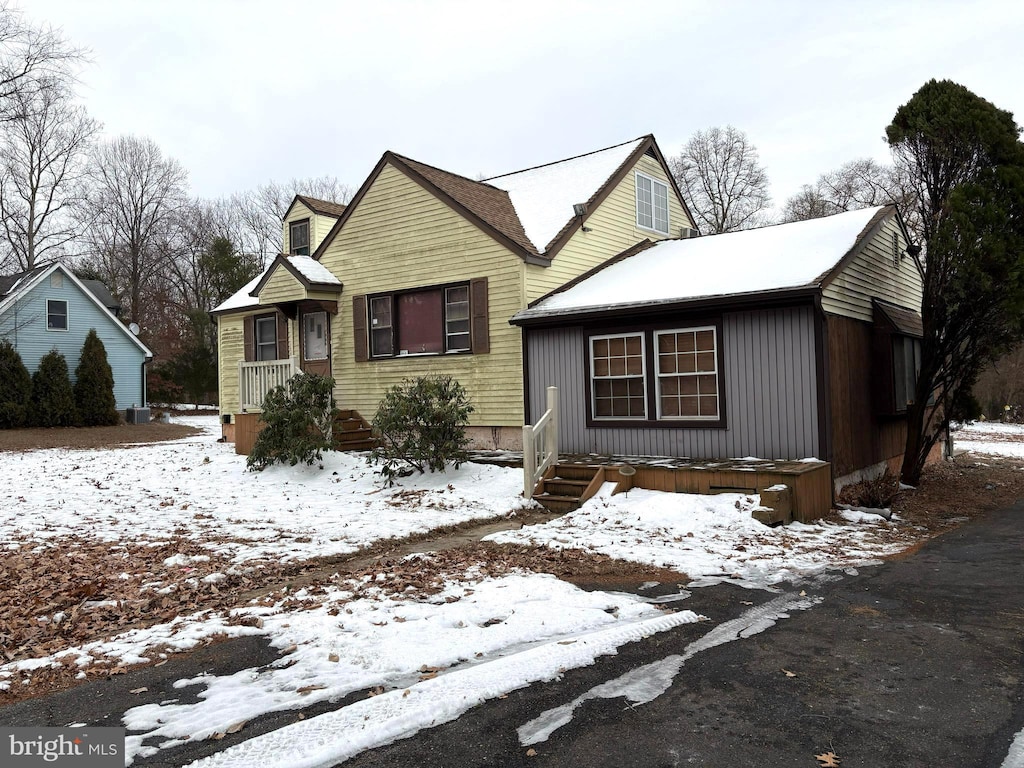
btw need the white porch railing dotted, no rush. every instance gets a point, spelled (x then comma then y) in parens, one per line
(540, 444)
(256, 379)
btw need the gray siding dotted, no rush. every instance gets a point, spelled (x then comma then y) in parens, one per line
(769, 383)
(24, 325)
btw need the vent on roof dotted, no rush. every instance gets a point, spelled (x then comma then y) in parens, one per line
(688, 232)
(650, 153)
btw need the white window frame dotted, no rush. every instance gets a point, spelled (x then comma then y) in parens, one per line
(653, 225)
(449, 345)
(594, 378)
(66, 313)
(257, 343)
(658, 374)
(308, 247)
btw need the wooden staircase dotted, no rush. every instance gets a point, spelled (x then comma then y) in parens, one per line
(565, 487)
(352, 432)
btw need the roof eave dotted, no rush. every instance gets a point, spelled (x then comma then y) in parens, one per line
(735, 300)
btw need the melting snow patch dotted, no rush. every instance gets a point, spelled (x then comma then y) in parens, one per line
(646, 683)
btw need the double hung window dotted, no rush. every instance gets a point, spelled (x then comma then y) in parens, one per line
(651, 204)
(298, 237)
(423, 322)
(56, 315)
(677, 370)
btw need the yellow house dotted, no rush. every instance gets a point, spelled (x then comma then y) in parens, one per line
(421, 272)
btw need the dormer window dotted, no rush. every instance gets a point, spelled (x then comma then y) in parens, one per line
(298, 237)
(651, 204)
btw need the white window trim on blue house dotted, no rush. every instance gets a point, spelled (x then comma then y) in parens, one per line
(50, 313)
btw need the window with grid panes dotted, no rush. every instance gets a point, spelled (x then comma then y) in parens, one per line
(651, 204)
(617, 377)
(687, 373)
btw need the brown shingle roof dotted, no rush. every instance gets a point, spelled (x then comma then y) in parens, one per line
(488, 203)
(322, 206)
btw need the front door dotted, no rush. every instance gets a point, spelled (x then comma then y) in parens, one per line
(316, 343)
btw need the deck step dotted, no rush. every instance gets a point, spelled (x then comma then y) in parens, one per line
(558, 486)
(558, 503)
(352, 432)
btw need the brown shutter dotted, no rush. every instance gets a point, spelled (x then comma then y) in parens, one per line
(480, 330)
(359, 328)
(249, 338)
(282, 337)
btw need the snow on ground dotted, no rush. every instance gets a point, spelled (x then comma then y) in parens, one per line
(200, 489)
(395, 644)
(710, 538)
(991, 438)
(428, 656)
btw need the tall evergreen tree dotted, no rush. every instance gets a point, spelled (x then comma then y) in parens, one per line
(15, 387)
(53, 402)
(965, 157)
(94, 385)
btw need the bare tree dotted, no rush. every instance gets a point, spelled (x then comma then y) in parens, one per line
(720, 175)
(260, 211)
(33, 59)
(42, 165)
(857, 184)
(132, 217)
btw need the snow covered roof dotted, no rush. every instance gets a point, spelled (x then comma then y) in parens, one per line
(779, 257)
(544, 196)
(307, 269)
(241, 299)
(312, 270)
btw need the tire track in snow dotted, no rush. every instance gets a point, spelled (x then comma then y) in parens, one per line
(645, 684)
(336, 736)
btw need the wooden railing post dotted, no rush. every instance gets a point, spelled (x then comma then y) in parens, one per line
(552, 442)
(529, 462)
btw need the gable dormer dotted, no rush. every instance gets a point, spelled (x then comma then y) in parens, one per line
(307, 222)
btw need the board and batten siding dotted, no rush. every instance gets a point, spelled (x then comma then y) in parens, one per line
(612, 228)
(401, 237)
(769, 382)
(874, 272)
(24, 325)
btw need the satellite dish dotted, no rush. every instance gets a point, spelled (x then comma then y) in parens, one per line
(134, 328)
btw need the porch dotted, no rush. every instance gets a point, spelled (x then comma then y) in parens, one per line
(808, 484)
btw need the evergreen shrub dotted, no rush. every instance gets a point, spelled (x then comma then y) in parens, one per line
(15, 388)
(421, 425)
(297, 419)
(53, 402)
(94, 385)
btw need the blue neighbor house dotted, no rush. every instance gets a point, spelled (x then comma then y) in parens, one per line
(49, 308)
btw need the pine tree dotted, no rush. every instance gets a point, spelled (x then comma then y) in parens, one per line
(94, 385)
(15, 388)
(53, 402)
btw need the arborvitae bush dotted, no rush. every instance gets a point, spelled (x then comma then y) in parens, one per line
(53, 401)
(297, 422)
(15, 388)
(94, 385)
(420, 425)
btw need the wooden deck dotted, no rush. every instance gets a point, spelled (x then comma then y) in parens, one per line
(810, 482)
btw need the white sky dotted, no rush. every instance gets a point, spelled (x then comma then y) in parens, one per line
(244, 92)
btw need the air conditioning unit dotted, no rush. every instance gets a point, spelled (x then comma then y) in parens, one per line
(688, 232)
(136, 415)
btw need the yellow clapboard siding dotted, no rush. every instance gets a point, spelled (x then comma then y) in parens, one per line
(282, 286)
(399, 237)
(230, 349)
(873, 273)
(612, 228)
